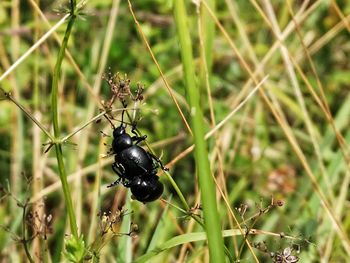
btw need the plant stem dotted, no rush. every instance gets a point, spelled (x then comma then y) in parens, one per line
(54, 103)
(24, 240)
(206, 35)
(29, 115)
(208, 196)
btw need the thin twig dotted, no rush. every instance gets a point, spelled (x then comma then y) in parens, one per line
(29, 115)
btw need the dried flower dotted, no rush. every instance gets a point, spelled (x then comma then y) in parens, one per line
(285, 256)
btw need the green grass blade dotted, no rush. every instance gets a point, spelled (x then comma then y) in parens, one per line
(183, 239)
(124, 251)
(208, 196)
(159, 231)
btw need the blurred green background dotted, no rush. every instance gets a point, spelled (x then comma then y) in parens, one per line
(303, 47)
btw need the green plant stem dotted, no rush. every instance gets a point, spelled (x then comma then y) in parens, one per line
(66, 191)
(54, 103)
(207, 187)
(29, 115)
(177, 190)
(207, 34)
(56, 76)
(24, 240)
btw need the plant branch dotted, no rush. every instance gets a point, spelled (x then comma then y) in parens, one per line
(54, 103)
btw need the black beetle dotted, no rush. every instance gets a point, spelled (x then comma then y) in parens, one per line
(136, 167)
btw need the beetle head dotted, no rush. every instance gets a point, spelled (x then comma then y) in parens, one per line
(119, 131)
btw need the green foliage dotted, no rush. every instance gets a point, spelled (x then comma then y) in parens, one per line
(75, 250)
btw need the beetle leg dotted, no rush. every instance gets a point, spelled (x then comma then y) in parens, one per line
(158, 161)
(116, 169)
(120, 171)
(116, 182)
(120, 166)
(137, 139)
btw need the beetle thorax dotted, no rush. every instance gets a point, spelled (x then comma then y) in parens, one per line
(121, 142)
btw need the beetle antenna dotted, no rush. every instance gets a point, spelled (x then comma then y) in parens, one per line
(122, 122)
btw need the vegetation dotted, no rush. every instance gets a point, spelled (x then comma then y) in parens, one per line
(246, 102)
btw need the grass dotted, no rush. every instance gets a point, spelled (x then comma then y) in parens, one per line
(211, 217)
(246, 102)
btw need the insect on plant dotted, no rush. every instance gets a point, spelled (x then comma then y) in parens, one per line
(135, 167)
